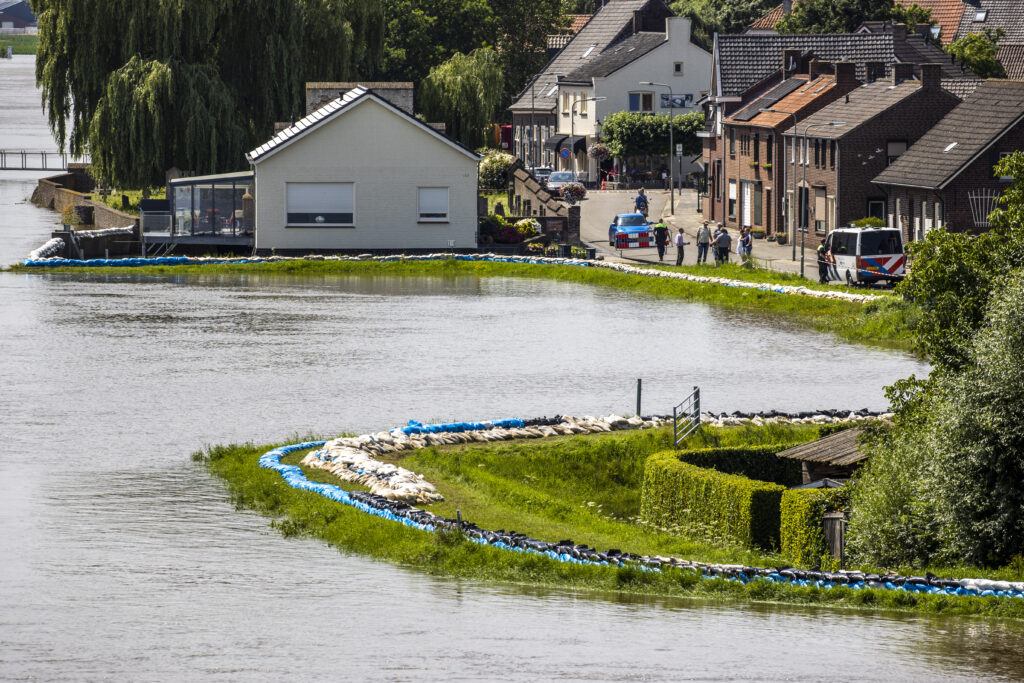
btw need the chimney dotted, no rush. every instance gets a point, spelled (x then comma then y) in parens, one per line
(899, 32)
(902, 71)
(874, 70)
(790, 62)
(818, 67)
(931, 75)
(846, 75)
(787, 7)
(636, 21)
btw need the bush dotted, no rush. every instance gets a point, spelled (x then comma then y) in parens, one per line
(868, 222)
(754, 462)
(494, 170)
(676, 493)
(802, 538)
(528, 227)
(573, 192)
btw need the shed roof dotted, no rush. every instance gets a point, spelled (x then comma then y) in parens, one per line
(797, 95)
(837, 449)
(957, 140)
(859, 107)
(332, 110)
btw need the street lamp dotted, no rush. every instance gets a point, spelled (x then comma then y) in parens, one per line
(572, 129)
(671, 146)
(805, 228)
(793, 202)
(533, 110)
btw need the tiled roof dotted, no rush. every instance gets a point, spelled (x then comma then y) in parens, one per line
(558, 41)
(859, 107)
(333, 109)
(962, 87)
(959, 137)
(617, 56)
(795, 101)
(747, 59)
(613, 22)
(576, 21)
(945, 13)
(1005, 14)
(770, 19)
(1012, 59)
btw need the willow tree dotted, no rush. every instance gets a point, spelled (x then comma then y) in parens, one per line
(341, 38)
(464, 92)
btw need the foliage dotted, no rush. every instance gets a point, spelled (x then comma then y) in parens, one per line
(802, 537)
(494, 170)
(599, 151)
(629, 134)
(504, 233)
(978, 51)
(834, 16)
(676, 493)
(911, 15)
(572, 192)
(528, 227)
(754, 462)
(869, 222)
(23, 45)
(464, 93)
(721, 16)
(70, 217)
(521, 38)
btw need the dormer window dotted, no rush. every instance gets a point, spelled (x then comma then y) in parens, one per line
(980, 16)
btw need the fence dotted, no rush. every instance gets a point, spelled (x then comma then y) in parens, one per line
(27, 160)
(686, 417)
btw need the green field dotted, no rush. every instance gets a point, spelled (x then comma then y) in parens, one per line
(23, 45)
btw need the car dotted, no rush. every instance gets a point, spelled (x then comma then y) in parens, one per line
(624, 224)
(557, 179)
(541, 173)
(865, 255)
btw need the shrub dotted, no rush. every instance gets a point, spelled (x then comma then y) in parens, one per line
(528, 227)
(676, 493)
(494, 170)
(754, 462)
(868, 222)
(802, 539)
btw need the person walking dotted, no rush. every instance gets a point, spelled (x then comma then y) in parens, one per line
(716, 252)
(703, 242)
(664, 179)
(680, 243)
(822, 263)
(661, 239)
(723, 242)
(745, 245)
(640, 203)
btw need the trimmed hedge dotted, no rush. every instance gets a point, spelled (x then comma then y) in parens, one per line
(677, 493)
(801, 513)
(754, 462)
(835, 427)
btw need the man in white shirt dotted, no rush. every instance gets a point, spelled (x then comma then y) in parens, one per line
(680, 243)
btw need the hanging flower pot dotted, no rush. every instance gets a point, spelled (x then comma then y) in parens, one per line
(573, 192)
(599, 151)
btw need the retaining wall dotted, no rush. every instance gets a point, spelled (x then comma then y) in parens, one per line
(72, 189)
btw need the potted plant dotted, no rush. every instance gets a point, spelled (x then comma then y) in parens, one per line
(573, 192)
(757, 233)
(766, 167)
(599, 151)
(753, 164)
(781, 238)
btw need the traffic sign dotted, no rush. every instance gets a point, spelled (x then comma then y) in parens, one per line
(564, 154)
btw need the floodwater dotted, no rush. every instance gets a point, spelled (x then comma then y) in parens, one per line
(121, 559)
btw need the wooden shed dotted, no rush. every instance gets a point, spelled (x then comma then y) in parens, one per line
(836, 456)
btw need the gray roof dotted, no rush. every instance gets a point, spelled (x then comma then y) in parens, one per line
(839, 449)
(610, 24)
(617, 56)
(859, 107)
(1005, 14)
(962, 87)
(957, 140)
(746, 59)
(336, 108)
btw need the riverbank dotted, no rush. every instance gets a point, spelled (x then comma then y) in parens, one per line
(885, 321)
(583, 487)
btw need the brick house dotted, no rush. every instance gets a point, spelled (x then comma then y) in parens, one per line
(946, 179)
(881, 120)
(746, 179)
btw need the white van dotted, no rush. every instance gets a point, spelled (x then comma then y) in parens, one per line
(868, 255)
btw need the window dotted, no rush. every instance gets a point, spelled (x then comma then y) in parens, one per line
(757, 204)
(732, 198)
(980, 16)
(832, 145)
(677, 68)
(768, 203)
(894, 148)
(320, 204)
(433, 204)
(880, 243)
(804, 208)
(876, 208)
(820, 210)
(817, 154)
(583, 104)
(641, 101)
(588, 51)
(1005, 178)
(757, 148)
(565, 103)
(732, 142)
(769, 144)
(744, 144)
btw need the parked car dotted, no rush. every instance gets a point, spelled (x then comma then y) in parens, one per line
(557, 179)
(541, 173)
(865, 255)
(629, 225)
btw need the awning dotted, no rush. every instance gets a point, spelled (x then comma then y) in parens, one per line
(560, 142)
(554, 141)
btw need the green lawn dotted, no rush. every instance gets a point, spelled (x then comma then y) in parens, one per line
(23, 45)
(113, 199)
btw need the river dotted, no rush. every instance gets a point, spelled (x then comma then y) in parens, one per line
(121, 559)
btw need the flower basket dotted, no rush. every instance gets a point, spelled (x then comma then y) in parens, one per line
(599, 151)
(766, 167)
(528, 227)
(757, 234)
(573, 192)
(753, 164)
(781, 238)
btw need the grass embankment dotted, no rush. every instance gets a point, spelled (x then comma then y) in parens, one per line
(580, 488)
(887, 322)
(23, 45)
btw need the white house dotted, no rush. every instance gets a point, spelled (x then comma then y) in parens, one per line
(673, 58)
(361, 174)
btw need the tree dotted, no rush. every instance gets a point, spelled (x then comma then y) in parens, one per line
(721, 16)
(833, 16)
(464, 92)
(632, 134)
(523, 27)
(911, 15)
(977, 51)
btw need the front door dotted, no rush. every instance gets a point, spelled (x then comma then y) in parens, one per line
(748, 203)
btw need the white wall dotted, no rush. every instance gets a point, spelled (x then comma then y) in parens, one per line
(388, 158)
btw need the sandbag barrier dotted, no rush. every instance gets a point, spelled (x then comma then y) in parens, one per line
(352, 458)
(539, 260)
(568, 552)
(53, 246)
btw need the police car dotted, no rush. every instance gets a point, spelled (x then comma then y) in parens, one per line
(630, 230)
(865, 255)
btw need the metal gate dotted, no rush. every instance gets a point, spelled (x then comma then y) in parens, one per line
(686, 417)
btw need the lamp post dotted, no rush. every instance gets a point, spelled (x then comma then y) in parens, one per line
(572, 129)
(792, 203)
(671, 145)
(533, 110)
(805, 228)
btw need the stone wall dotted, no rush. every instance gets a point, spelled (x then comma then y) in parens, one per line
(72, 189)
(399, 94)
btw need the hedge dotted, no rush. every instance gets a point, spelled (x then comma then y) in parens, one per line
(801, 512)
(676, 493)
(754, 462)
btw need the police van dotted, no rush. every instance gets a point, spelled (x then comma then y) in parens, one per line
(865, 255)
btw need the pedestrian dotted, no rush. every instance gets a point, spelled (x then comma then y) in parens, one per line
(664, 179)
(680, 243)
(716, 253)
(822, 263)
(661, 238)
(723, 242)
(745, 245)
(703, 242)
(640, 203)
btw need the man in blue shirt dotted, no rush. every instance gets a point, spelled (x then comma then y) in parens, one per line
(640, 203)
